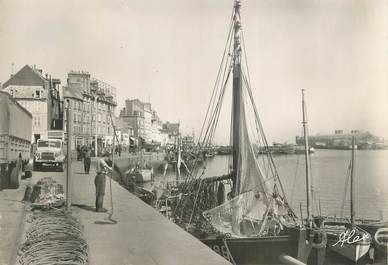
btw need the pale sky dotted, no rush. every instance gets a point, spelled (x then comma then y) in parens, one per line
(168, 51)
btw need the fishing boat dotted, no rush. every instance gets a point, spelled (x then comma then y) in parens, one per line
(253, 222)
(178, 158)
(140, 174)
(299, 149)
(348, 239)
(381, 238)
(224, 150)
(140, 171)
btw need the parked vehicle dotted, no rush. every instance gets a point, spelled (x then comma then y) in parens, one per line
(49, 154)
(15, 141)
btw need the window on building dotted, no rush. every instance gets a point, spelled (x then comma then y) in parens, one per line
(75, 117)
(37, 94)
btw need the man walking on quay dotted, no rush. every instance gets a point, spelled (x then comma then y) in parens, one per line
(87, 155)
(99, 181)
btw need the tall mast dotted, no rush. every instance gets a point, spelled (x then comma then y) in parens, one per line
(352, 191)
(307, 158)
(178, 157)
(237, 94)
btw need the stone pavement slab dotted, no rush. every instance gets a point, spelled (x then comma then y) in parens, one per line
(11, 222)
(140, 236)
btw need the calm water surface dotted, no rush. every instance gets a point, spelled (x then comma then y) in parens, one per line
(329, 173)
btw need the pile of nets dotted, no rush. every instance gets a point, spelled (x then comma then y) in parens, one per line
(54, 237)
(46, 193)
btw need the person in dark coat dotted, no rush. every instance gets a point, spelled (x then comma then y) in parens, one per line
(99, 181)
(79, 155)
(87, 155)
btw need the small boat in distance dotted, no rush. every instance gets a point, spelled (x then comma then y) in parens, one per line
(224, 150)
(285, 149)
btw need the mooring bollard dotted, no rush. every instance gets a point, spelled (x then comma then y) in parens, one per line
(288, 260)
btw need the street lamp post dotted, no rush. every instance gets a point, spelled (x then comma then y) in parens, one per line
(95, 111)
(69, 128)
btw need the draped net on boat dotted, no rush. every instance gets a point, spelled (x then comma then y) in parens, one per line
(249, 215)
(257, 209)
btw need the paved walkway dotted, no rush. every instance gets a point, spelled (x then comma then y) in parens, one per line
(140, 236)
(11, 222)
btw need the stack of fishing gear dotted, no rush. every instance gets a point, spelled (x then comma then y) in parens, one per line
(53, 237)
(45, 194)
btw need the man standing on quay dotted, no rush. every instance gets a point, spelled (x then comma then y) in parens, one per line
(87, 155)
(99, 181)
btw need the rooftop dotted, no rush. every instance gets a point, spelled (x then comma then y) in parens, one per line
(72, 92)
(27, 76)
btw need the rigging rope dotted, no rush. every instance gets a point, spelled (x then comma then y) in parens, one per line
(111, 174)
(229, 253)
(346, 188)
(218, 74)
(271, 161)
(294, 182)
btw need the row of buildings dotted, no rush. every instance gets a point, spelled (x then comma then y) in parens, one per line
(142, 120)
(93, 103)
(343, 140)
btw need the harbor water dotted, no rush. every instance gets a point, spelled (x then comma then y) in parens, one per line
(329, 170)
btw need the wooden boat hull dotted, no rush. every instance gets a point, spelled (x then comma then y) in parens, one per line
(263, 250)
(351, 251)
(141, 175)
(354, 251)
(380, 240)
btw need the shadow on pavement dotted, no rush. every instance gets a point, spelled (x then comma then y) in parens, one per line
(80, 173)
(85, 207)
(112, 222)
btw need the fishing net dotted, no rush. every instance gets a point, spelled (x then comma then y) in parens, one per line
(54, 237)
(249, 215)
(45, 193)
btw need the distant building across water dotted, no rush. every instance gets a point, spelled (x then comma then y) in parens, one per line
(341, 140)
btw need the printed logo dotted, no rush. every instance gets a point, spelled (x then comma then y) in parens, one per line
(349, 237)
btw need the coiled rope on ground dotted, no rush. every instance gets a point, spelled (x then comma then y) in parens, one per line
(54, 237)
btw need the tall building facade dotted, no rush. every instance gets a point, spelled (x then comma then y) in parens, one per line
(39, 94)
(93, 103)
(144, 122)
